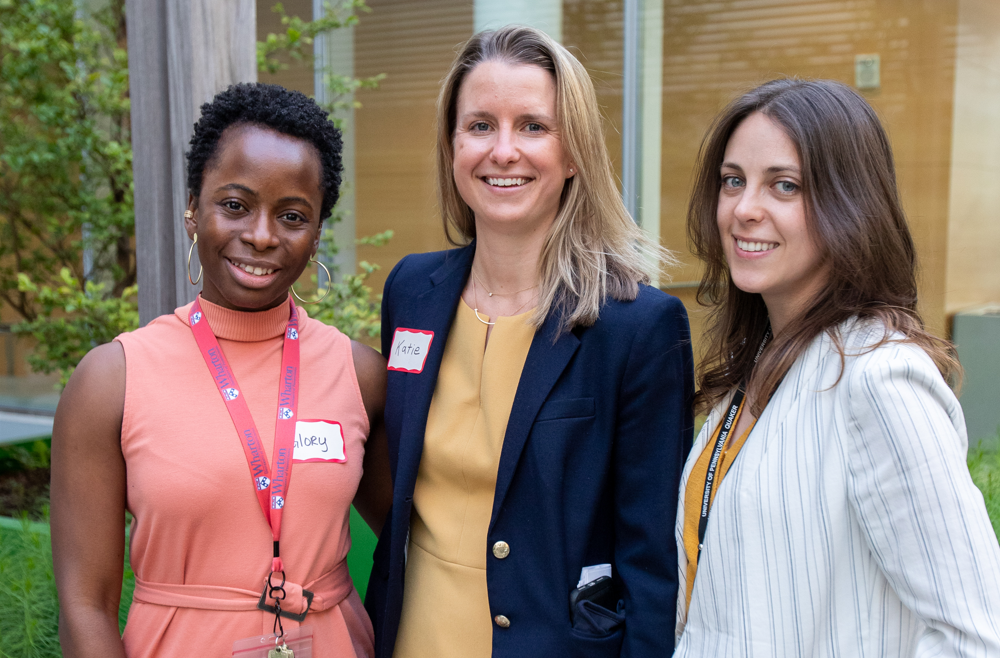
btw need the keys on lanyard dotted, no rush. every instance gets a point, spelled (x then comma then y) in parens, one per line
(280, 652)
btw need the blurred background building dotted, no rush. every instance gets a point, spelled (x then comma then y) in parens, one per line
(931, 70)
(663, 69)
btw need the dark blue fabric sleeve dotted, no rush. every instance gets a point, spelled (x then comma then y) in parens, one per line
(653, 437)
(387, 329)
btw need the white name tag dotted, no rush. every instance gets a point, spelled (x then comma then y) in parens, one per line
(318, 441)
(410, 348)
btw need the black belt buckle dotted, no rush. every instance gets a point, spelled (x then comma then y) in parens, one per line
(284, 613)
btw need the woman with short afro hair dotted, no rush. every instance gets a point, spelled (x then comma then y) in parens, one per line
(196, 423)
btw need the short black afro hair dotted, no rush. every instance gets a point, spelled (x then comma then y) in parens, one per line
(288, 112)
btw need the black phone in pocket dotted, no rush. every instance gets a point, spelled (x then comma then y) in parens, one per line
(600, 591)
(594, 608)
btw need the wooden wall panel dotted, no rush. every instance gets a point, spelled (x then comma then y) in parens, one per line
(715, 50)
(974, 212)
(413, 43)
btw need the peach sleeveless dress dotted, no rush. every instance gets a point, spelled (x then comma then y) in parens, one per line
(200, 547)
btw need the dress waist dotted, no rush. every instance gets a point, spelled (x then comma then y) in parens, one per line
(329, 589)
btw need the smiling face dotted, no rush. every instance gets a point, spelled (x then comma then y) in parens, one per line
(257, 217)
(762, 220)
(509, 165)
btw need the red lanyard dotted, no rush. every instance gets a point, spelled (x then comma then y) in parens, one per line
(271, 483)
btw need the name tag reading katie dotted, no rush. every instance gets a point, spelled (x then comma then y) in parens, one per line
(319, 441)
(410, 348)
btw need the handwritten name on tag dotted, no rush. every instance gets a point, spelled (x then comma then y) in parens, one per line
(410, 348)
(318, 441)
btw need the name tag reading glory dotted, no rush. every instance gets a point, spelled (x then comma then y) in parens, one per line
(319, 441)
(410, 348)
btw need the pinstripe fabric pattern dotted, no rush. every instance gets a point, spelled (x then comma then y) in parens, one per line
(848, 525)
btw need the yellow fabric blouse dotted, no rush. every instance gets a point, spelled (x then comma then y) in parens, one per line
(445, 601)
(695, 492)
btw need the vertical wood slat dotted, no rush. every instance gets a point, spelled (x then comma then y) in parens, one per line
(181, 53)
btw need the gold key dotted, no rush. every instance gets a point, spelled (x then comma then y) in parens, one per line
(281, 652)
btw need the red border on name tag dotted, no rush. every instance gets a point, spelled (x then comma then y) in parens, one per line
(422, 363)
(343, 441)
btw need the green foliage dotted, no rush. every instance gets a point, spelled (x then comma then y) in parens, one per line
(297, 39)
(296, 43)
(74, 321)
(985, 469)
(67, 262)
(22, 456)
(350, 304)
(29, 607)
(65, 153)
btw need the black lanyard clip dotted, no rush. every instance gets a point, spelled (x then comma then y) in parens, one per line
(278, 594)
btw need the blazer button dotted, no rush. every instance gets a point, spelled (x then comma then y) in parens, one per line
(502, 621)
(501, 549)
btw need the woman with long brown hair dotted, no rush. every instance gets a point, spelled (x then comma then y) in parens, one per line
(826, 509)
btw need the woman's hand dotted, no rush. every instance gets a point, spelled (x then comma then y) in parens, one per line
(374, 496)
(88, 504)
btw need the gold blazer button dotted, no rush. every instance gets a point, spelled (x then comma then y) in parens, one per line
(501, 549)
(502, 621)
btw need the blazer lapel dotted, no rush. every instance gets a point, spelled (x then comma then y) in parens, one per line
(434, 310)
(542, 367)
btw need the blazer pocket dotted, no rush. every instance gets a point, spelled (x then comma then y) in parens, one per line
(561, 409)
(598, 632)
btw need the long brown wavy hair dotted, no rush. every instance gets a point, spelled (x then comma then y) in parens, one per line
(854, 214)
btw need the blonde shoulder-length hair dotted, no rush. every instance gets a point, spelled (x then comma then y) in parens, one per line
(594, 250)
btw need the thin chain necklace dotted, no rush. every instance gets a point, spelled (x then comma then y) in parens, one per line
(500, 294)
(475, 298)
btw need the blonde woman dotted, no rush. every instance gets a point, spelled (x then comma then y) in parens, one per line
(539, 390)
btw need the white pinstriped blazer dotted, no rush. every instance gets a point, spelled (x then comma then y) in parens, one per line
(848, 524)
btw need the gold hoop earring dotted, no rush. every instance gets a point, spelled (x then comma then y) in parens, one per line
(329, 284)
(194, 282)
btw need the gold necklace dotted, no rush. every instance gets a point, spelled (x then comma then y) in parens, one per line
(475, 298)
(501, 294)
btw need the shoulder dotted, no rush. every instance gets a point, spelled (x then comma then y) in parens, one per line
(103, 364)
(313, 329)
(877, 362)
(368, 363)
(427, 261)
(870, 345)
(650, 307)
(164, 327)
(97, 385)
(369, 366)
(643, 332)
(414, 270)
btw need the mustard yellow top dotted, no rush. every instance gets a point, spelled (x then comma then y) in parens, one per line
(446, 609)
(695, 492)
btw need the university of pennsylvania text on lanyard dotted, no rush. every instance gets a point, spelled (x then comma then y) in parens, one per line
(720, 443)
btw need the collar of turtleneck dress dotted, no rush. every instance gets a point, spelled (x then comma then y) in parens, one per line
(245, 326)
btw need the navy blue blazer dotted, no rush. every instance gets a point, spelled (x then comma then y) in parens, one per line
(589, 470)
